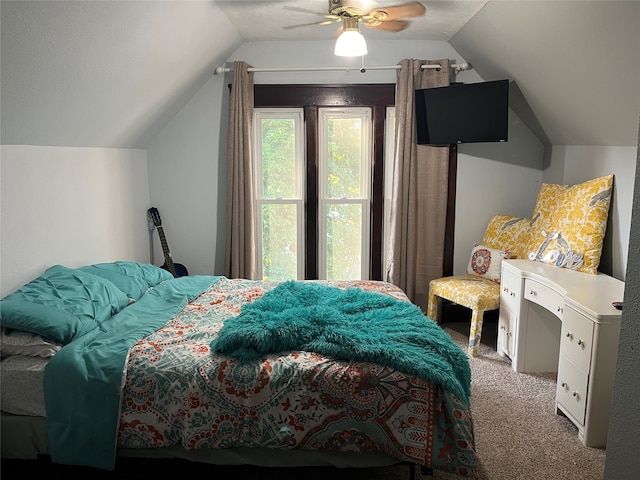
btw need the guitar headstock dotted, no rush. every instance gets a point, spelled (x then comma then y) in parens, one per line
(153, 217)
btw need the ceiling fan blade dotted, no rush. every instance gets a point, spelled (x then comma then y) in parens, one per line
(291, 27)
(305, 10)
(397, 12)
(388, 26)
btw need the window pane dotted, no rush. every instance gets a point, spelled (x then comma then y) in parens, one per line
(345, 158)
(344, 242)
(278, 157)
(279, 242)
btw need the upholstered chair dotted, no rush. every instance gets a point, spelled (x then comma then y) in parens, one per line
(479, 289)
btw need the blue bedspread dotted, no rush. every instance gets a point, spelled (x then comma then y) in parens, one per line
(83, 381)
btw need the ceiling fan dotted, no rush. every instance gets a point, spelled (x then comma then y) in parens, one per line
(389, 18)
(351, 13)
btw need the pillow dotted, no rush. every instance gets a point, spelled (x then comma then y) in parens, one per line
(506, 231)
(486, 262)
(62, 304)
(132, 278)
(23, 343)
(574, 218)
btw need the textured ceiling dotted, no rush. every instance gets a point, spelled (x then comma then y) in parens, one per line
(266, 20)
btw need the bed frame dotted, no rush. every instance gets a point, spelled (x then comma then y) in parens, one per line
(25, 438)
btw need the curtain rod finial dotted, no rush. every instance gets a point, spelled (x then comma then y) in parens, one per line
(461, 66)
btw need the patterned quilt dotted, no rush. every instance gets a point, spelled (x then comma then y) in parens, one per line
(178, 393)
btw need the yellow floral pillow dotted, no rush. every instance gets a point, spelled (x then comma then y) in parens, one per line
(508, 232)
(574, 218)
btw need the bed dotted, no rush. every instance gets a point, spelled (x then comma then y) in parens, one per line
(120, 359)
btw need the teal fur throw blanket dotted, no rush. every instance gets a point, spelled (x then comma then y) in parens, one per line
(346, 324)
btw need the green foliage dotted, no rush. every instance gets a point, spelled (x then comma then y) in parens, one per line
(278, 157)
(344, 238)
(344, 181)
(344, 162)
(279, 242)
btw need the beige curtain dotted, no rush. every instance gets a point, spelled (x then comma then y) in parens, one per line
(240, 246)
(419, 194)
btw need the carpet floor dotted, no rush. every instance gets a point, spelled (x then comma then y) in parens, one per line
(518, 434)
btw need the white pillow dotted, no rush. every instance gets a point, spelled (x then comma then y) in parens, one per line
(486, 262)
(15, 342)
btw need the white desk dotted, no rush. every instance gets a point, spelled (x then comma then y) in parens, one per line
(558, 320)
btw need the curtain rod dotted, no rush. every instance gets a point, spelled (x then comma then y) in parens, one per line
(456, 66)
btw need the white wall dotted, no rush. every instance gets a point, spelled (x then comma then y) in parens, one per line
(518, 184)
(69, 206)
(187, 178)
(494, 178)
(576, 164)
(195, 141)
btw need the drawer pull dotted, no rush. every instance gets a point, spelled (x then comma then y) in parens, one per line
(533, 293)
(564, 385)
(513, 294)
(581, 343)
(569, 335)
(576, 395)
(559, 309)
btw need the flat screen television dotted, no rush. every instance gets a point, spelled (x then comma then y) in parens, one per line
(463, 113)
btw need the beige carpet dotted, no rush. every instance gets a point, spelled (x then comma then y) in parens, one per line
(518, 434)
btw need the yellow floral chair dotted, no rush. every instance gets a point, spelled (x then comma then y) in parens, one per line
(567, 222)
(479, 289)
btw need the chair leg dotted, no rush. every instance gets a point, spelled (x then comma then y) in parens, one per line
(475, 332)
(432, 307)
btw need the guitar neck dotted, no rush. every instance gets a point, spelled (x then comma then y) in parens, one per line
(165, 249)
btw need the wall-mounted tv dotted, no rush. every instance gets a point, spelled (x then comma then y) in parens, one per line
(463, 113)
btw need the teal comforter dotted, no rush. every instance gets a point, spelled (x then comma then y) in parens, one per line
(83, 381)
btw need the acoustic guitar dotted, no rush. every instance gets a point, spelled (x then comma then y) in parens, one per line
(176, 269)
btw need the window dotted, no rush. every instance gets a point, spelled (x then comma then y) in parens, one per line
(309, 99)
(279, 189)
(343, 200)
(344, 171)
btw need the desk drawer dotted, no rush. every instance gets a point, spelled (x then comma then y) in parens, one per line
(577, 338)
(544, 296)
(510, 290)
(507, 322)
(571, 391)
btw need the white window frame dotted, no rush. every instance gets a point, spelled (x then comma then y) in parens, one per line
(324, 114)
(296, 114)
(389, 163)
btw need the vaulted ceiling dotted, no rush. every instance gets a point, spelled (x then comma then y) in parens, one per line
(113, 73)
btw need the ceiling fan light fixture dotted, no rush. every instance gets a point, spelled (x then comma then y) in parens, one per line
(350, 43)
